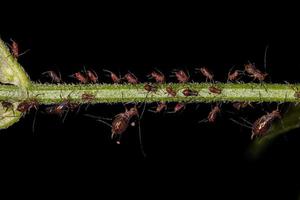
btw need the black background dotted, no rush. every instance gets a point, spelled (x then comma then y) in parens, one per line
(167, 37)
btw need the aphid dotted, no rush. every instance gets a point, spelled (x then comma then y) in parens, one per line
(207, 73)
(263, 124)
(181, 76)
(215, 90)
(131, 78)
(160, 107)
(158, 76)
(27, 105)
(297, 94)
(7, 105)
(92, 76)
(179, 107)
(213, 114)
(88, 97)
(188, 92)
(254, 72)
(54, 77)
(150, 88)
(80, 77)
(113, 76)
(171, 91)
(241, 105)
(121, 122)
(15, 49)
(235, 75)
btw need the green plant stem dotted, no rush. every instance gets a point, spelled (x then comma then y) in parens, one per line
(127, 93)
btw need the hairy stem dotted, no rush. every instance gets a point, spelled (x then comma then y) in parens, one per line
(127, 93)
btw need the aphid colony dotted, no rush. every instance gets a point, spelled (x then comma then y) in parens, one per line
(122, 120)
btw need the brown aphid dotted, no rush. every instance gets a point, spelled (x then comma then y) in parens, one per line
(158, 76)
(215, 90)
(297, 94)
(54, 77)
(178, 107)
(254, 72)
(27, 105)
(80, 77)
(150, 88)
(88, 97)
(92, 76)
(160, 107)
(241, 105)
(263, 124)
(7, 105)
(181, 76)
(207, 73)
(188, 92)
(171, 91)
(15, 49)
(121, 123)
(113, 76)
(131, 78)
(234, 75)
(213, 114)
(58, 109)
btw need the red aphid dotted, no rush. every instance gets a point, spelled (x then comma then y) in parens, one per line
(113, 76)
(215, 90)
(178, 107)
(80, 77)
(92, 76)
(188, 92)
(121, 122)
(181, 76)
(207, 73)
(54, 77)
(254, 72)
(158, 76)
(171, 91)
(160, 107)
(131, 78)
(88, 97)
(27, 105)
(213, 114)
(15, 49)
(150, 88)
(233, 76)
(263, 124)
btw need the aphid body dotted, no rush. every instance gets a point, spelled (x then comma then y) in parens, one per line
(254, 72)
(158, 76)
(207, 73)
(213, 114)
(171, 91)
(215, 90)
(188, 92)
(181, 76)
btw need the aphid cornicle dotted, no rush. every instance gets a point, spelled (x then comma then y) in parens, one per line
(113, 76)
(158, 76)
(215, 90)
(254, 72)
(181, 76)
(263, 124)
(171, 91)
(206, 73)
(121, 123)
(54, 77)
(131, 78)
(212, 116)
(188, 92)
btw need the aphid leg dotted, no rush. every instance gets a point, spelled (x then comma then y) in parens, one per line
(203, 120)
(246, 121)
(34, 121)
(239, 123)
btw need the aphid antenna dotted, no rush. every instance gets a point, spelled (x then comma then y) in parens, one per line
(239, 123)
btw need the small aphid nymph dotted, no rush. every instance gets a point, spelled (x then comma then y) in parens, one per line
(15, 49)
(179, 107)
(215, 90)
(150, 87)
(80, 77)
(171, 91)
(27, 105)
(158, 76)
(92, 76)
(113, 76)
(181, 76)
(254, 72)
(131, 78)
(53, 76)
(233, 76)
(206, 73)
(212, 116)
(188, 92)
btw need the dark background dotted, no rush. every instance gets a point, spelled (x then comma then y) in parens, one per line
(167, 37)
